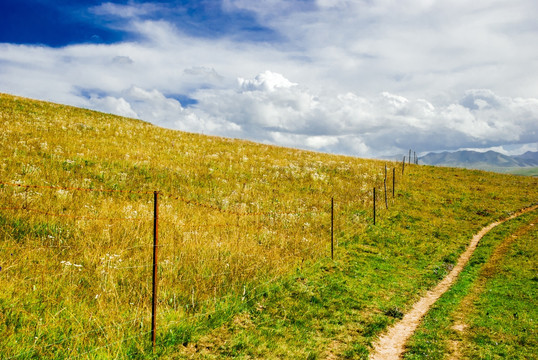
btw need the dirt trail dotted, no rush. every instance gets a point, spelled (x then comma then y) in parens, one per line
(488, 270)
(392, 344)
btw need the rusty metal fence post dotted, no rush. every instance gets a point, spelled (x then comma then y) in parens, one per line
(393, 181)
(332, 228)
(155, 259)
(385, 193)
(374, 205)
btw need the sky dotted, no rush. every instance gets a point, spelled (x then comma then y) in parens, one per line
(367, 78)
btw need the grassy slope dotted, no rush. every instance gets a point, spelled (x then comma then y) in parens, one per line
(278, 294)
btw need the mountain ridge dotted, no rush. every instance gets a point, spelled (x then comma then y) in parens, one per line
(480, 160)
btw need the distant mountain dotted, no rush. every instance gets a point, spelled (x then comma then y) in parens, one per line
(489, 160)
(529, 156)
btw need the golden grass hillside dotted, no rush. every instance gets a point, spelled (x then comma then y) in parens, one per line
(234, 218)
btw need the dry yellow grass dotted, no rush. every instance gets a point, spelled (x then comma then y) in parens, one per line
(233, 216)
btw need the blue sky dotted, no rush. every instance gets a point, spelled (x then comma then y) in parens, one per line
(54, 24)
(63, 22)
(365, 78)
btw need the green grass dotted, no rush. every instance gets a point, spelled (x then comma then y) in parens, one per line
(532, 171)
(517, 170)
(503, 323)
(525, 171)
(487, 300)
(244, 233)
(335, 308)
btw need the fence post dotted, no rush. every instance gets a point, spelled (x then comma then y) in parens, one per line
(393, 180)
(155, 247)
(409, 156)
(403, 165)
(374, 205)
(385, 192)
(332, 228)
(25, 206)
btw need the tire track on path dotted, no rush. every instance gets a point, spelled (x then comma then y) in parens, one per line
(392, 344)
(488, 270)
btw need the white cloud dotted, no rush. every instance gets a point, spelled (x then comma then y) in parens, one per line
(129, 10)
(266, 8)
(109, 104)
(143, 104)
(508, 149)
(266, 81)
(122, 60)
(357, 77)
(295, 116)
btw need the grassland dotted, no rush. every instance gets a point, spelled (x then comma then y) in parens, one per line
(491, 311)
(531, 171)
(524, 171)
(244, 235)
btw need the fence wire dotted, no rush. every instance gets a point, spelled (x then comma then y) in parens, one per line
(208, 255)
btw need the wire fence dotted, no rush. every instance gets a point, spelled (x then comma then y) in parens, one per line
(79, 265)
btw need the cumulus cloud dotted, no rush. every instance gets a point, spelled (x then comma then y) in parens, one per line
(355, 77)
(272, 109)
(266, 81)
(110, 104)
(152, 104)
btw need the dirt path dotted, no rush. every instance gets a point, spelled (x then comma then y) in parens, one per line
(488, 270)
(392, 344)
